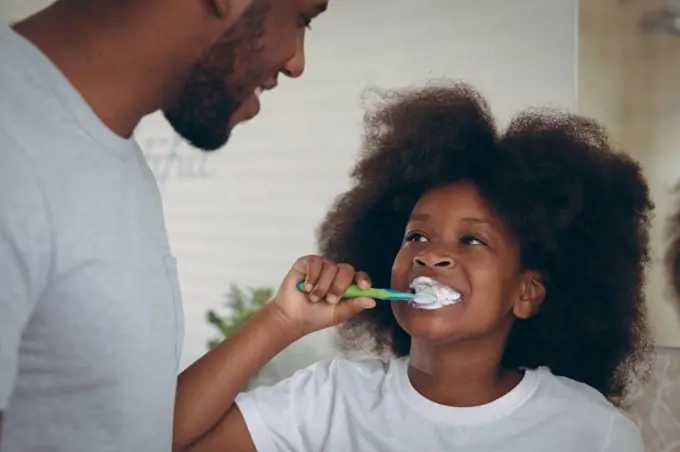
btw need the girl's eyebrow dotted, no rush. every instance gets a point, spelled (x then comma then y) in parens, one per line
(477, 220)
(419, 217)
(425, 217)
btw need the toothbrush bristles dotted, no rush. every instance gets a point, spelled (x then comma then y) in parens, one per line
(425, 298)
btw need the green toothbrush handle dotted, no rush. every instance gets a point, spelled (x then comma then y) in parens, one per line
(354, 291)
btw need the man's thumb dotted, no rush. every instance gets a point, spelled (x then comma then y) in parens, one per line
(347, 309)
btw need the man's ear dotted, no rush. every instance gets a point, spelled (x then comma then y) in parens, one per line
(229, 10)
(532, 294)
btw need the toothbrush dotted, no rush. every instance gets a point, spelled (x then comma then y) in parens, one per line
(354, 291)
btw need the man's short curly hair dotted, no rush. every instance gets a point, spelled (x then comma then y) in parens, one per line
(579, 209)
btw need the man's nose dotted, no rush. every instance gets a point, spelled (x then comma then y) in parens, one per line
(296, 65)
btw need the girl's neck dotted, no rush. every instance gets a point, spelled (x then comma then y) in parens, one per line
(461, 376)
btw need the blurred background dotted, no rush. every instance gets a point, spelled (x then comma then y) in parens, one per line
(237, 219)
(629, 79)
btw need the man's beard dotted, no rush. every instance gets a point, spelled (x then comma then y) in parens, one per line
(214, 91)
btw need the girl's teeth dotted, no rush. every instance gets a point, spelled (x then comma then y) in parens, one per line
(258, 91)
(432, 295)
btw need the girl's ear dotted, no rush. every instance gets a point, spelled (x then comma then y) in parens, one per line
(531, 296)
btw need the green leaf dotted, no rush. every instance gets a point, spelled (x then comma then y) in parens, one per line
(240, 306)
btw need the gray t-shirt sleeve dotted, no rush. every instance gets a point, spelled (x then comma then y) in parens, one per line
(24, 255)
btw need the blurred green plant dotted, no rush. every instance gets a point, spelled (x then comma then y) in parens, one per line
(240, 305)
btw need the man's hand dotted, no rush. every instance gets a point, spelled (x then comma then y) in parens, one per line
(322, 307)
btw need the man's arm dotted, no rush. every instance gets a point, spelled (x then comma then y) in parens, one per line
(25, 255)
(207, 389)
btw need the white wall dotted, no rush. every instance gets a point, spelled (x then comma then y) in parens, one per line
(11, 10)
(244, 214)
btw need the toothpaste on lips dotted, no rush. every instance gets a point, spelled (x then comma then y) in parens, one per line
(432, 295)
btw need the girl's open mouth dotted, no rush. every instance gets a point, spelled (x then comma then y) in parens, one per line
(430, 294)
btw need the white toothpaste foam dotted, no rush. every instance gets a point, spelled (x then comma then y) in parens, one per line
(432, 295)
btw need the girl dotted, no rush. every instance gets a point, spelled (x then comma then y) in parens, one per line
(541, 231)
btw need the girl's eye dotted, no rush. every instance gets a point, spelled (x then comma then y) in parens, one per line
(472, 240)
(415, 237)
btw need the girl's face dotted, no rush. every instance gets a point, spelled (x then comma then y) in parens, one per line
(455, 239)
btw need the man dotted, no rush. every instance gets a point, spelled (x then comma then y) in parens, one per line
(90, 309)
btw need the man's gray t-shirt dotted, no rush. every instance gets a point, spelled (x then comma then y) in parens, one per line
(90, 309)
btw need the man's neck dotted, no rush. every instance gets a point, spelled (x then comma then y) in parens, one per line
(112, 64)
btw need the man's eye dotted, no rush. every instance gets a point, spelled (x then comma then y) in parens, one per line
(415, 237)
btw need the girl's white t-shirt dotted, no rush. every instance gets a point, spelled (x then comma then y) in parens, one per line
(367, 406)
